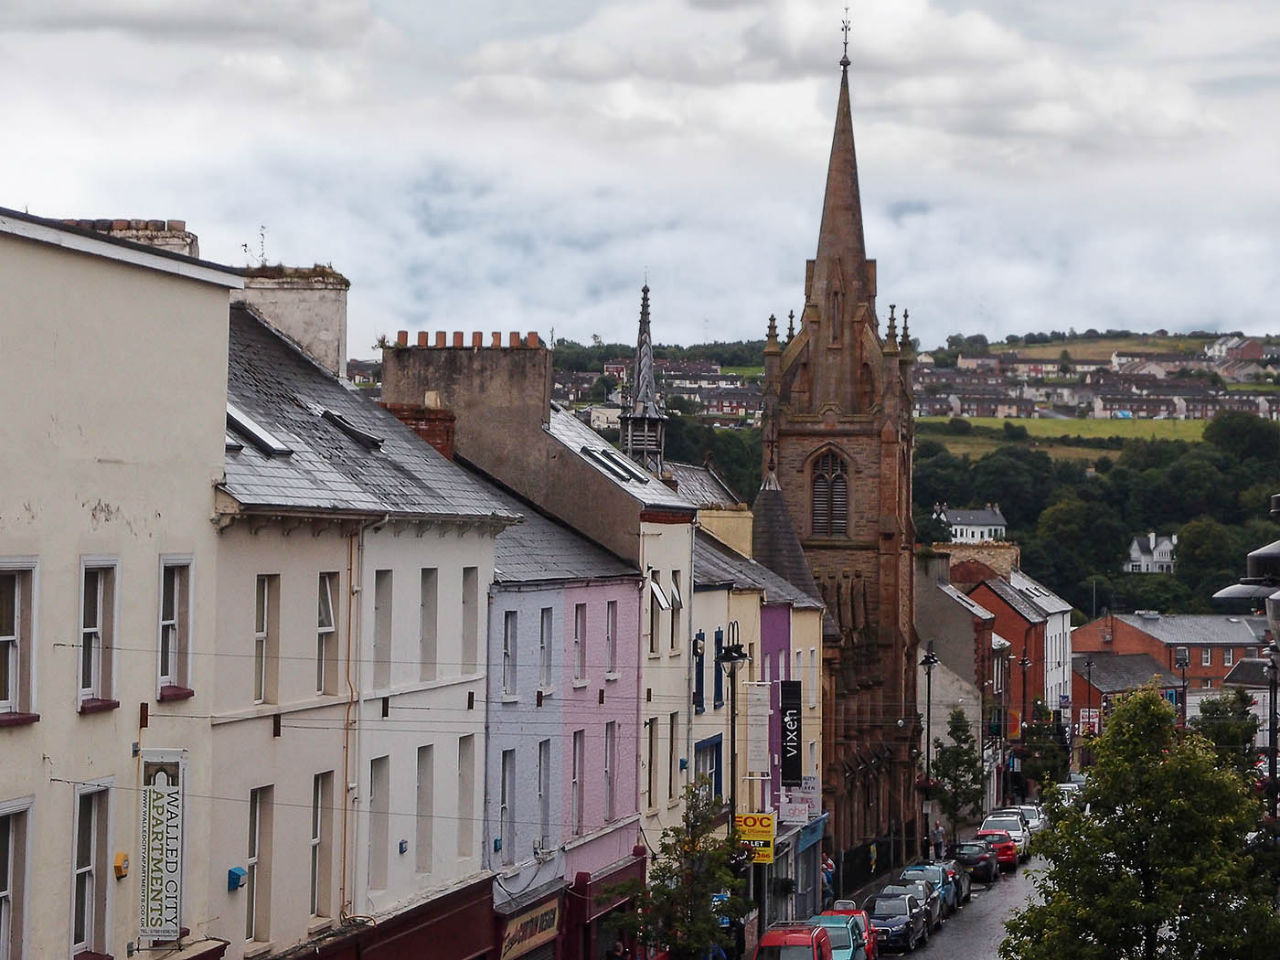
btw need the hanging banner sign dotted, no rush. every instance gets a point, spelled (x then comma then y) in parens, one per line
(531, 929)
(756, 831)
(792, 761)
(758, 728)
(160, 845)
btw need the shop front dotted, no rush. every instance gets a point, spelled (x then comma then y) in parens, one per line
(530, 926)
(594, 906)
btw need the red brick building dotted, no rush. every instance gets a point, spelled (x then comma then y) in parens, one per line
(838, 432)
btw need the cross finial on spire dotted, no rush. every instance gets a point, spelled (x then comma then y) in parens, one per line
(844, 27)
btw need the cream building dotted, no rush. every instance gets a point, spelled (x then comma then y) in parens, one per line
(114, 385)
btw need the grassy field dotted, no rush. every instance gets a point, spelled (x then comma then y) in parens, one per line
(744, 372)
(1192, 430)
(1103, 348)
(977, 447)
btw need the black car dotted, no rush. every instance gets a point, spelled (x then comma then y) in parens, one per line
(979, 858)
(900, 921)
(924, 891)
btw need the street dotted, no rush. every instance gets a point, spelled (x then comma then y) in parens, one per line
(975, 932)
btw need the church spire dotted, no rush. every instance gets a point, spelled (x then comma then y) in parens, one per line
(643, 423)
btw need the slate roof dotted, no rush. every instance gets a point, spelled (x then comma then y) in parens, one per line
(1024, 607)
(543, 548)
(1038, 593)
(960, 597)
(1143, 544)
(578, 437)
(975, 518)
(702, 486)
(716, 565)
(1207, 628)
(1249, 672)
(774, 541)
(330, 427)
(1118, 672)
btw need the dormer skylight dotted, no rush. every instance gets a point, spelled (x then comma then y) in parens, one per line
(255, 433)
(361, 436)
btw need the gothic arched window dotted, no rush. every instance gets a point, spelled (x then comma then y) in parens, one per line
(830, 496)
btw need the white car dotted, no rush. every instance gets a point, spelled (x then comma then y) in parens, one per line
(1014, 825)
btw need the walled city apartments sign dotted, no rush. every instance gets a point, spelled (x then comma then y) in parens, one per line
(530, 929)
(160, 843)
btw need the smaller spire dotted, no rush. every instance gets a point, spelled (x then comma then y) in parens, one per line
(892, 333)
(906, 334)
(844, 27)
(791, 325)
(773, 327)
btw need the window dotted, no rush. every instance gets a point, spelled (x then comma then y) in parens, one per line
(657, 603)
(610, 768)
(175, 628)
(611, 637)
(719, 681)
(89, 914)
(580, 642)
(813, 677)
(1206, 684)
(13, 860)
(327, 637)
(813, 758)
(428, 623)
(382, 587)
(676, 606)
(699, 673)
(544, 794)
(1251, 652)
(830, 505)
(266, 639)
(673, 735)
(544, 649)
(321, 850)
(425, 840)
(1206, 656)
(470, 619)
(97, 635)
(257, 887)
(466, 795)
(510, 622)
(379, 817)
(651, 764)
(706, 763)
(1228, 657)
(506, 807)
(575, 784)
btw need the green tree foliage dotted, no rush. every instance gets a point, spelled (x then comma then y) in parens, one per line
(957, 771)
(1230, 725)
(734, 453)
(601, 389)
(1044, 755)
(696, 860)
(1150, 863)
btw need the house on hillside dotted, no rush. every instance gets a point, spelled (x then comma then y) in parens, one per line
(972, 526)
(1151, 554)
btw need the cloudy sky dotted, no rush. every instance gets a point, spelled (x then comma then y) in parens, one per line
(521, 164)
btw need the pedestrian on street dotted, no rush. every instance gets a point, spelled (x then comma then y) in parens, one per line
(619, 952)
(939, 839)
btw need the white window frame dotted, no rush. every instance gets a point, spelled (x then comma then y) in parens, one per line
(813, 677)
(576, 797)
(1206, 656)
(580, 643)
(506, 806)
(546, 629)
(97, 642)
(673, 738)
(21, 644)
(611, 639)
(14, 892)
(610, 762)
(177, 642)
(261, 635)
(1228, 656)
(544, 794)
(321, 825)
(254, 864)
(677, 612)
(326, 634)
(96, 912)
(510, 630)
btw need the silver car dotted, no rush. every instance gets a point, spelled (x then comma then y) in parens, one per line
(1017, 829)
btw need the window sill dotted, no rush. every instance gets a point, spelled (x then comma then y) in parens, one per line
(97, 705)
(654, 655)
(319, 925)
(611, 676)
(171, 692)
(547, 691)
(92, 955)
(509, 698)
(580, 684)
(719, 704)
(258, 948)
(18, 719)
(699, 709)
(674, 652)
(673, 803)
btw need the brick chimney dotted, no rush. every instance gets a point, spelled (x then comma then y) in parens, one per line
(171, 235)
(307, 304)
(432, 425)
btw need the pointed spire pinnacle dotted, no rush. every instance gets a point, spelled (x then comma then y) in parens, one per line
(844, 27)
(906, 336)
(644, 390)
(892, 332)
(773, 327)
(791, 325)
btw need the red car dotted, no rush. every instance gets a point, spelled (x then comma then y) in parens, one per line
(864, 924)
(1005, 846)
(794, 941)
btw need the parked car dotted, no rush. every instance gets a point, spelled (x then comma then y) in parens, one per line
(900, 921)
(1015, 826)
(937, 874)
(959, 877)
(978, 857)
(794, 941)
(924, 891)
(846, 935)
(1035, 817)
(1005, 846)
(863, 921)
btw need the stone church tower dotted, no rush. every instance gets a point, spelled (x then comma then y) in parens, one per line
(837, 444)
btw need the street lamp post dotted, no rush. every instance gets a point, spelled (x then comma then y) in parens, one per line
(1088, 691)
(928, 661)
(730, 656)
(1024, 663)
(1182, 661)
(1273, 675)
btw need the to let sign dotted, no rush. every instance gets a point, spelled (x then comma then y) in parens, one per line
(792, 762)
(756, 831)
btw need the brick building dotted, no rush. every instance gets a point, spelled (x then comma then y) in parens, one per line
(838, 432)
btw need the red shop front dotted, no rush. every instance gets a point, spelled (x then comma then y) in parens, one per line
(591, 921)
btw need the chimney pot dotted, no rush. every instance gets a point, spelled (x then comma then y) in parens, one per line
(178, 226)
(402, 338)
(532, 340)
(422, 338)
(457, 338)
(497, 339)
(155, 224)
(514, 338)
(119, 224)
(477, 339)
(440, 338)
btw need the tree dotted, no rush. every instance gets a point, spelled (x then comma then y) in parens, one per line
(601, 389)
(1150, 863)
(1228, 723)
(1044, 753)
(957, 771)
(695, 862)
